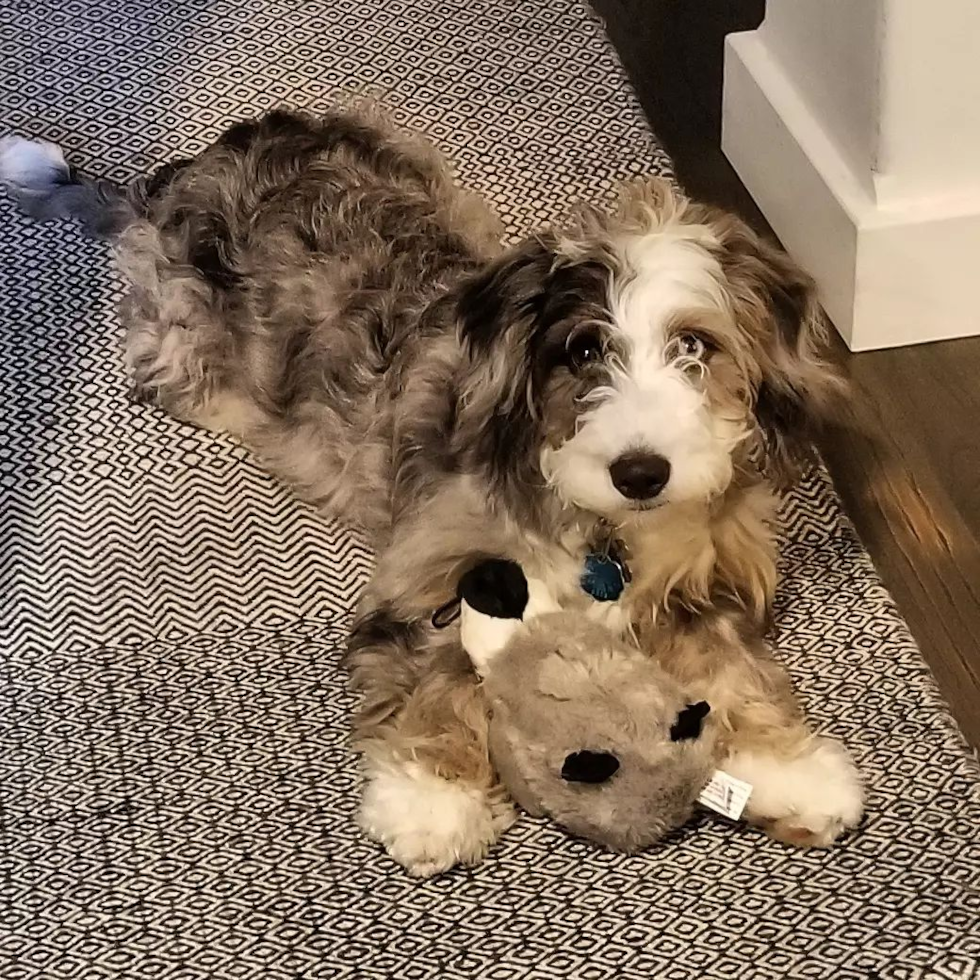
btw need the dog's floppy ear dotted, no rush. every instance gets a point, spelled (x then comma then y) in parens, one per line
(500, 302)
(510, 317)
(498, 313)
(776, 305)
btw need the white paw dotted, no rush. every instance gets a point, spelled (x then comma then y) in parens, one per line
(809, 800)
(426, 823)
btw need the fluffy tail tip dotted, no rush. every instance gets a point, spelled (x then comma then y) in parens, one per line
(31, 168)
(39, 179)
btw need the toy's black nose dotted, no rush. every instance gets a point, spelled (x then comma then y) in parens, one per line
(589, 767)
(688, 723)
(639, 476)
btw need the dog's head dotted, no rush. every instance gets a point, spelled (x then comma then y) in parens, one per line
(642, 358)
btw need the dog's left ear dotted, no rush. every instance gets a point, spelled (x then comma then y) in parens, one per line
(797, 391)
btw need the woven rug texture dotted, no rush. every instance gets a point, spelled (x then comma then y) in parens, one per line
(177, 796)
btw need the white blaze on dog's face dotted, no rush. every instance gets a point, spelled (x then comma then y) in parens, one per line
(653, 434)
(639, 359)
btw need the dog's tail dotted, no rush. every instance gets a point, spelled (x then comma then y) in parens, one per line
(38, 177)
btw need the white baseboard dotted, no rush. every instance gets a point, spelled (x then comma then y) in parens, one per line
(888, 277)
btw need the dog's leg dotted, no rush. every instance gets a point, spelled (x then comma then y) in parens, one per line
(807, 794)
(806, 789)
(431, 797)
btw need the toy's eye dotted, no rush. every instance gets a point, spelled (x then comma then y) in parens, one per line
(583, 348)
(689, 721)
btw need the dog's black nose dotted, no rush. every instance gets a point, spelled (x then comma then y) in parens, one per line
(640, 476)
(589, 767)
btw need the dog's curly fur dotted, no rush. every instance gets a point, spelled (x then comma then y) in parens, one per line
(320, 288)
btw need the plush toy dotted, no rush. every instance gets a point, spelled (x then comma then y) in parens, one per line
(584, 727)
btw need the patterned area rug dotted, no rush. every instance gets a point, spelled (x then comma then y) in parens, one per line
(177, 794)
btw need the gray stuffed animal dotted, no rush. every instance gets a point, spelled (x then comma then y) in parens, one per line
(584, 727)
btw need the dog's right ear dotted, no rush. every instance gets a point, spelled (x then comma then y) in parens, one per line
(501, 303)
(498, 317)
(510, 319)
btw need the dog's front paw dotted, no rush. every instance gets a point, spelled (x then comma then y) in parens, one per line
(429, 824)
(809, 800)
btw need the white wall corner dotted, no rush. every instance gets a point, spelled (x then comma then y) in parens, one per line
(892, 270)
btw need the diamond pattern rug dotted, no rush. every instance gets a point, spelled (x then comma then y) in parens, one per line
(176, 791)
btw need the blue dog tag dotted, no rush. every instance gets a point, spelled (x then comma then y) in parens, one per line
(603, 577)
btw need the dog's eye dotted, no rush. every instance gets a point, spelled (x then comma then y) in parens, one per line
(689, 349)
(691, 345)
(583, 348)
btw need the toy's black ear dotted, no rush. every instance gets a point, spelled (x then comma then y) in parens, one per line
(589, 767)
(496, 587)
(688, 723)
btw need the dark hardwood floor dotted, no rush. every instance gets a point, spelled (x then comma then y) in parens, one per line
(908, 469)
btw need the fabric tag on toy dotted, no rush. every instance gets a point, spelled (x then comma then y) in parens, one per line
(725, 795)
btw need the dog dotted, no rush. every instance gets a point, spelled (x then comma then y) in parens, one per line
(321, 289)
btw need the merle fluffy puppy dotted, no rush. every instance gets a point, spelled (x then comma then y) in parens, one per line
(321, 289)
